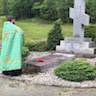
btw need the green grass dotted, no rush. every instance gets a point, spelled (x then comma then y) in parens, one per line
(36, 29)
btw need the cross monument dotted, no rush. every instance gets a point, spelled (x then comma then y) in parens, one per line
(80, 18)
(77, 44)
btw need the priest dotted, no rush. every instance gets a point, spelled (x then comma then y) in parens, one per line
(11, 50)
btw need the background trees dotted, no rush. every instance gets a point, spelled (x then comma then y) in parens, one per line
(48, 10)
(44, 9)
(22, 9)
(5, 7)
(1, 7)
(91, 9)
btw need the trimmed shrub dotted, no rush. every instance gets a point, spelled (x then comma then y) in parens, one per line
(90, 31)
(76, 70)
(37, 46)
(54, 36)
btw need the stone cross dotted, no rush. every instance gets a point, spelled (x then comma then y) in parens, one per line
(80, 18)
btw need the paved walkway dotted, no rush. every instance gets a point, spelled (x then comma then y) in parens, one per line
(16, 88)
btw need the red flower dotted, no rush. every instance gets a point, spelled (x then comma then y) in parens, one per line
(39, 60)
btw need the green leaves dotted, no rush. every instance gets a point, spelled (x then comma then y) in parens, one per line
(76, 70)
(90, 32)
(25, 51)
(37, 46)
(54, 37)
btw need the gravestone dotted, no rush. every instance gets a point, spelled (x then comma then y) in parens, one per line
(80, 18)
(78, 44)
(48, 61)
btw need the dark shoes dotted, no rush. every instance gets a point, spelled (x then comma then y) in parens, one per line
(13, 72)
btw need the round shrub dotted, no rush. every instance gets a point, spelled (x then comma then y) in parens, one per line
(76, 70)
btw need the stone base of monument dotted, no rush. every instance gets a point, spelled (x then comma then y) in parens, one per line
(77, 46)
(48, 61)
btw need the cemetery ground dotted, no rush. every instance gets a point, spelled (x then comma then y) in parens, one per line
(41, 84)
(15, 88)
(44, 84)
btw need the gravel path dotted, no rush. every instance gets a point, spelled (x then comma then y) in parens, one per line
(16, 88)
(49, 79)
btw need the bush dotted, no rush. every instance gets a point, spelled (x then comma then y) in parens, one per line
(76, 70)
(25, 51)
(37, 46)
(90, 31)
(54, 37)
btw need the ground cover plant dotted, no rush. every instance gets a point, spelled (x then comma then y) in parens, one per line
(76, 70)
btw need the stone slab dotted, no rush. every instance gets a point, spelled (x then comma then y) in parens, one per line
(50, 61)
(76, 46)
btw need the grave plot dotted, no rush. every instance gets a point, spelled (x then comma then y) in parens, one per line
(43, 63)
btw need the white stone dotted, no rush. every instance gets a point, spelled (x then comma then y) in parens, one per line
(82, 48)
(77, 43)
(79, 18)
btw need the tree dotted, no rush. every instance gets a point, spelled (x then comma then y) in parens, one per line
(1, 7)
(63, 10)
(48, 10)
(5, 7)
(54, 37)
(91, 10)
(36, 8)
(22, 9)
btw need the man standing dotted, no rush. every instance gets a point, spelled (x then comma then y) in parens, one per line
(11, 51)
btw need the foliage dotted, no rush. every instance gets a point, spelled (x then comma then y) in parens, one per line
(76, 70)
(22, 9)
(1, 7)
(91, 10)
(54, 36)
(36, 8)
(48, 10)
(37, 46)
(25, 51)
(5, 7)
(90, 32)
(63, 10)
(45, 9)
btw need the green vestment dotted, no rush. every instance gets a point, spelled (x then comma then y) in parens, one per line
(11, 51)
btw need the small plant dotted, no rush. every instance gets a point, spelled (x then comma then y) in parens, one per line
(37, 46)
(76, 70)
(54, 37)
(25, 51)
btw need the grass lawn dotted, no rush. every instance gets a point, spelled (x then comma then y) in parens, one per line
(36, 29)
